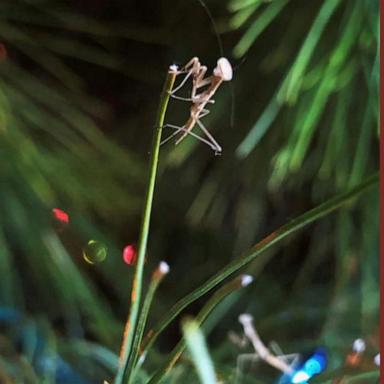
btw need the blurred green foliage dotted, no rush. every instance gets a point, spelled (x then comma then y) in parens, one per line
(79, 86)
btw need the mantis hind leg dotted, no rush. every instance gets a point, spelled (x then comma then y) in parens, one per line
(218, 148)
(183, 129)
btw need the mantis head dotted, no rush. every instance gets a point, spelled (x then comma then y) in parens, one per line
(223, 69)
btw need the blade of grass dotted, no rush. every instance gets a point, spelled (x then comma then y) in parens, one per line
(211, 304)
(272, 239)
(368, 126)
(310, 121)
(282, 157)
(270, 13)
(338, 59)
(197, 347)
(242, 16)
(335, 142)
(57, 105)
(258, 131)
(157, 277)
(361, 158)
(292, 82)
(237, 5)
(34, 51)
(126, 349)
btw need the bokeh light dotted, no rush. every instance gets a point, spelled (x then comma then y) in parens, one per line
(60, 215)
(95, 252)
(129, 254)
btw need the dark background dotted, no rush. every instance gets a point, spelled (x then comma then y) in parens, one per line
(79, 88)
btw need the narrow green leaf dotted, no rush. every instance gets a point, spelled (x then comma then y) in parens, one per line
(199, 352)
(258, 131)
(212, 303)
(292, 82)
(157, 276)
(338, 58)
(272, 239)
(237, 5)
(262, 22)
(242, 16)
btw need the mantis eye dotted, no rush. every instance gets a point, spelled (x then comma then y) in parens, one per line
(223, 69)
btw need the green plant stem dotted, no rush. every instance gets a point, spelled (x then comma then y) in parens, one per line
(174, 356)
(142, 246)
(153, 285)
(272, 239)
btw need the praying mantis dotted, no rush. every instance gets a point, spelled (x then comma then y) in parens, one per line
(199, 100)
(261, 350)
(293, 371)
